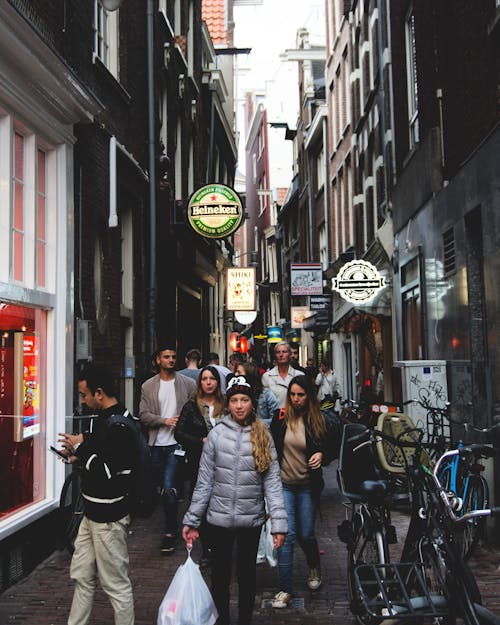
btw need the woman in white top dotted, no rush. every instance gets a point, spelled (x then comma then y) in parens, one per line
(326, 382)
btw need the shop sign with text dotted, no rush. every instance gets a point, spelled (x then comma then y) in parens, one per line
(306, 278)
(297, 315)
(240, 288)
(320, 302)
(215, 211)
(358, 281)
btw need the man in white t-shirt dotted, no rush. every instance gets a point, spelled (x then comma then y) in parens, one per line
(162, 399)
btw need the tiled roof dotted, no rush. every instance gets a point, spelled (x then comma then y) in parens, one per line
(213, 12)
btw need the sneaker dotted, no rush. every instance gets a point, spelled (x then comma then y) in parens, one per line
(314, 579)
(167, 544)
(281, 600)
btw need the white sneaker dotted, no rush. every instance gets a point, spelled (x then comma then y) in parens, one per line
(314, 579)
(281, 600)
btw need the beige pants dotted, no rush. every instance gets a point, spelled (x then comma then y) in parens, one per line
(101, 552)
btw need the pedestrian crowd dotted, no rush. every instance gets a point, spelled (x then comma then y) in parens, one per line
(249, 443)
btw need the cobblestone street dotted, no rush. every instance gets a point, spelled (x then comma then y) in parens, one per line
(44, 597)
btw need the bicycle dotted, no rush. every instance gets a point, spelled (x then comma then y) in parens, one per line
(431, 581)
(462, 478)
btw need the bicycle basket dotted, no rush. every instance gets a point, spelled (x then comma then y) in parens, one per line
(395, 458)
(357, 461)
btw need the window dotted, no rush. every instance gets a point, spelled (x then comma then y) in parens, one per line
(411, 310)
(323, 257)
(22, 406)
(411, 79)
(18, 220)
(449, 264)
(31, 176)
(105, 29)
(41, 221)
(320, 169)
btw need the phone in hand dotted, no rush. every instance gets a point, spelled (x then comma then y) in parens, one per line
(60, 454)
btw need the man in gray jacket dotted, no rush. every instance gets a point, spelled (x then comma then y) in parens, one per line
(162, 399)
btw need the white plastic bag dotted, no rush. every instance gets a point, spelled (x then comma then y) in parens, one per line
(188, 600)
(266, 550)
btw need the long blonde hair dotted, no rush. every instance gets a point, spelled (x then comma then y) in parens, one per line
(219, 397)
(314, 420)
(261, 445)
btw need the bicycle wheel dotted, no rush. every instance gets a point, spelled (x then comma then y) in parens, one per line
(368, 547)
(476, 498)
(71, 509)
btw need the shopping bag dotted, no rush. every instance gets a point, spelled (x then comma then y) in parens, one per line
(266, 550)
(261, 550)
(188, 600)
(271, 553)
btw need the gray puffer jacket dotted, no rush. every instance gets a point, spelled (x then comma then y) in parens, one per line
(229, 488)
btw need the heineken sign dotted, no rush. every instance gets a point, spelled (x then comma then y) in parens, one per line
(215, 211)
(358, 282)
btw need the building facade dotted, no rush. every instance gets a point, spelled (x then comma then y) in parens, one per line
(109, 120)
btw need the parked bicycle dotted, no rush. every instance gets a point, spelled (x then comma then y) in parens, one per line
(462, 476)
(431, 582)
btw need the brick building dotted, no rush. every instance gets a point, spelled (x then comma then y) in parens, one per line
(109, 120)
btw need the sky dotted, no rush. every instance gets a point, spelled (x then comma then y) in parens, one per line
(270, 29)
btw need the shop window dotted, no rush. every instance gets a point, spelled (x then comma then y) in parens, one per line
(22, 407)
(411, 310)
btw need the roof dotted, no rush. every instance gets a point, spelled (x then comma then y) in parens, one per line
(213, 12)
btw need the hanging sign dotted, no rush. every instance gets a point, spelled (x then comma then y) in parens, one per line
(240, 288)
(306, 279)
(358, 281)
(297, 315)
(320, 302)
(274, 334)
(215, 211)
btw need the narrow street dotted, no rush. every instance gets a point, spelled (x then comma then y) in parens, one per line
(44, 597)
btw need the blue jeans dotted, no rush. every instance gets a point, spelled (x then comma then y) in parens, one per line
(301, 512)
(165, 469)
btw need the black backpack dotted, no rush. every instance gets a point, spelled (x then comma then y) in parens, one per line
(143, 494)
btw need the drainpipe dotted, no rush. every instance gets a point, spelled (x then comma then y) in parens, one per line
(381, 91)
(151, 330)
(309, 206)
(326, 191)
(113, 215)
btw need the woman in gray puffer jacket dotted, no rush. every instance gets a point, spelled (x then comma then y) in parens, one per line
(238, 469)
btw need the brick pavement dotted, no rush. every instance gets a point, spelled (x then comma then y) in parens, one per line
(44, 597)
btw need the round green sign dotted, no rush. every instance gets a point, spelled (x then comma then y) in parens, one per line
(215, 211)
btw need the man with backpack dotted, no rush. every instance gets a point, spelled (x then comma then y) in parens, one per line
(108, 456)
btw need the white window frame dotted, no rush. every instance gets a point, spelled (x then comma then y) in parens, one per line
(105, 29)
(411, 79)
(32, 144)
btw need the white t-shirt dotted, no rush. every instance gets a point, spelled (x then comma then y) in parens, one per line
(168, 407)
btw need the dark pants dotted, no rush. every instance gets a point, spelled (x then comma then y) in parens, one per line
(165, 464)
(247, 542)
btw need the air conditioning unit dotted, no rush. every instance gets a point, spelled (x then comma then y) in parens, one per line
(83, 340)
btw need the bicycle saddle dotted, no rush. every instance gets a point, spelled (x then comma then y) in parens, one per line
(374, 489)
